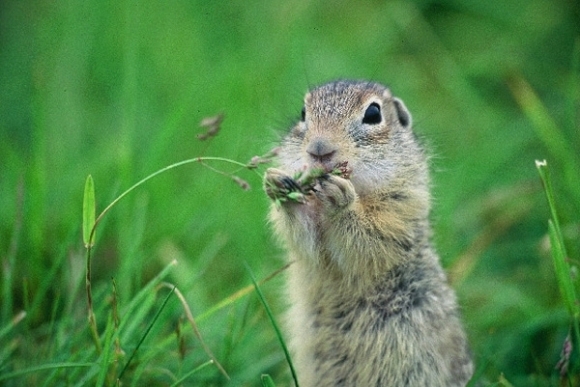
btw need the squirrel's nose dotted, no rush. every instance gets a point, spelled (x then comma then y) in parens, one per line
(321, 150)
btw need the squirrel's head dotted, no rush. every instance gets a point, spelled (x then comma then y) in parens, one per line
(360, 123)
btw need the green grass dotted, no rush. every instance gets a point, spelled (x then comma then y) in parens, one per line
(117, 90)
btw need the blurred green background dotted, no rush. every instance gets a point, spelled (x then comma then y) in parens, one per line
(117, 89)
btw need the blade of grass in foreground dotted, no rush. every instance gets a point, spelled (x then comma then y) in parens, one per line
(45, 367)
(563, 273)
(559, 254)
(562, 269)
(146, 333)
(239, 294)
(267, 381)
(89, 212)
(107, 353)
(196, 331)
(274, 324)
(15, 320)
(503, 382)
(88, 238)
(187, 375)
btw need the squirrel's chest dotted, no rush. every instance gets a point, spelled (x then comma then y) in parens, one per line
(340, 308)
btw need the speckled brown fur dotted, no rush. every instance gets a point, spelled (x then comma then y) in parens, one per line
(370, 305)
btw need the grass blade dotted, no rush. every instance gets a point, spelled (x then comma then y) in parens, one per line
(196, 330)
(559, 254)
(274, 324)
(562, 269)
(267, 381)
(146, 333)
(89, 212)
(107, 353)
(195, 370)
(15, 320)
(137, 301)
(202, 160)
(9, 260)
(45, 367)
(239, 294)
(89, 227)
(503, 382)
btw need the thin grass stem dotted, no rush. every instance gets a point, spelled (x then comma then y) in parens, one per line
(145, 333)
(274, 325)
(45, 367)
(195, 370)
(195, 328)
(201, 160)
(240, 293)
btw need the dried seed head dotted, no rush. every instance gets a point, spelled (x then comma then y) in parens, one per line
(212, 125)
(241, 182)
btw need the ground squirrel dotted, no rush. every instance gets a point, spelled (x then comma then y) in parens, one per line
(370, 305)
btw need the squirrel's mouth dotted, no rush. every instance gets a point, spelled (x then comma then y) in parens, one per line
(326, 163)
(341, 169)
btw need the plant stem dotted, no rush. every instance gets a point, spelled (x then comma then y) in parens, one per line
(201, 160)
(92, 320)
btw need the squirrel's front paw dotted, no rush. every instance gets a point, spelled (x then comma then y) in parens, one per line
(336, 192)
(280, 187)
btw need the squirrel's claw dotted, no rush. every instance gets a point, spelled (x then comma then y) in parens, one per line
(336, 191)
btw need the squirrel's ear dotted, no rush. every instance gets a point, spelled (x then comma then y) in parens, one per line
(402, 113)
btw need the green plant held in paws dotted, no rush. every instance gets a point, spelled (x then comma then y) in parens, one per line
(303, 183)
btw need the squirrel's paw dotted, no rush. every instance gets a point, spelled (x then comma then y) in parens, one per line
(280, 187)
(336, 192)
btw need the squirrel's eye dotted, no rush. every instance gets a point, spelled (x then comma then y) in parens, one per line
(372, 114)
(303, 114)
